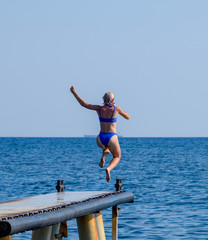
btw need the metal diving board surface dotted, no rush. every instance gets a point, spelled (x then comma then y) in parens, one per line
(50, 209)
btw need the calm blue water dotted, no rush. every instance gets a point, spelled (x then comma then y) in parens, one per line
(169, 177)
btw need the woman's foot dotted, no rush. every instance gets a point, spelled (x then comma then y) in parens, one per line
(102, 160)
(108, 177)
(102, 163)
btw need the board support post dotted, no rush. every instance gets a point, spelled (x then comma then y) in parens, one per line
(54, 231)
(100, 226)
(115, 223)
(115, 209)
(42, 233)
(87, 227)
(6, 238)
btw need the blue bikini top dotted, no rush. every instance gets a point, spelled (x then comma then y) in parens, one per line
(110, 120)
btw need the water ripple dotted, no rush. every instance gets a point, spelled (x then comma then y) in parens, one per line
(167, 175)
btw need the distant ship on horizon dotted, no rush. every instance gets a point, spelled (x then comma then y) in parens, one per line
(90, 136)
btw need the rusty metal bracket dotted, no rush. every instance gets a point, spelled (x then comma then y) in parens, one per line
(63, 229)
(63, 232)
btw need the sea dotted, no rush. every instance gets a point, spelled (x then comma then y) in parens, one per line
(168, 176)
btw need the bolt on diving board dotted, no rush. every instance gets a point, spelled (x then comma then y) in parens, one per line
(47, 214)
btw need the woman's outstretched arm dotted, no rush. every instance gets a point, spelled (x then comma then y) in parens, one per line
(82, 102)
(122, 113)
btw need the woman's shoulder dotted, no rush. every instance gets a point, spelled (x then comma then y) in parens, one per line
(117, 108)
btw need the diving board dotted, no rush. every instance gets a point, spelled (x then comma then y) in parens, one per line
(41, 211)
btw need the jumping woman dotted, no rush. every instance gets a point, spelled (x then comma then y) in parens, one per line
(107, 138)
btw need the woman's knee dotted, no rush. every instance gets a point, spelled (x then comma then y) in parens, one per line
(116, 152)
(118, 155)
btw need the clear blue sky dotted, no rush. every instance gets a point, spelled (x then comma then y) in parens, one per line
(153, 55)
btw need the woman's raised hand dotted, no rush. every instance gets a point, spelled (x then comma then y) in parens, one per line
(72, 89)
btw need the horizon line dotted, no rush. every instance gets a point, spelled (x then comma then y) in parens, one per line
(92, 136)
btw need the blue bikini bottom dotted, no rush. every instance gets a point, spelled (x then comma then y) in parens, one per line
(105, 137)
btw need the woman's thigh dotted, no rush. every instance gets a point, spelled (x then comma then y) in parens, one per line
(114, 146)
(99, 143)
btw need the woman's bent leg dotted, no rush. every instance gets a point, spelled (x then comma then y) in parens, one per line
(105, 152)
(102, 160)
(114, 148)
